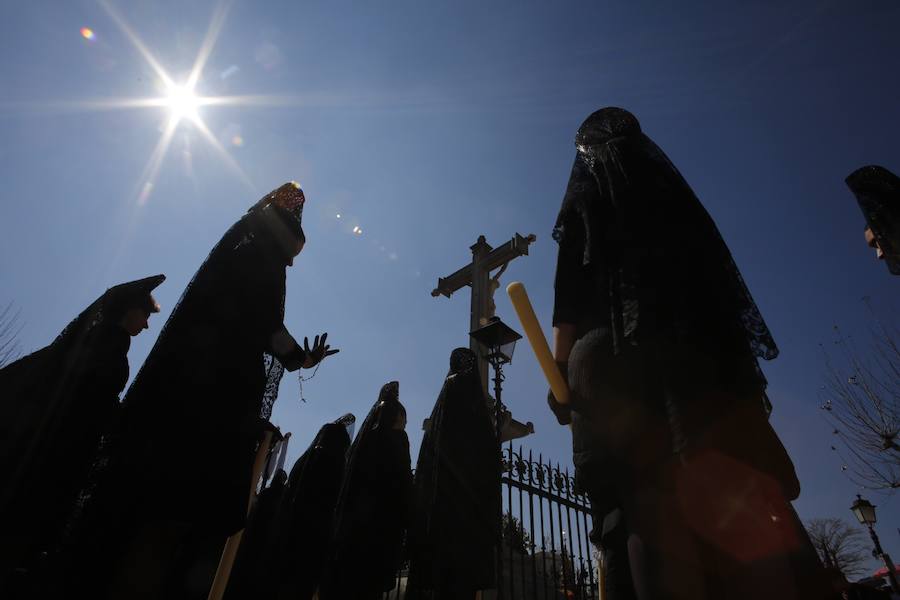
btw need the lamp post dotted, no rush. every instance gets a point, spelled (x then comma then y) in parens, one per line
(865, 514)
(499, 342)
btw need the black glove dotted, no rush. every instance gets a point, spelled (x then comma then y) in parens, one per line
(318, 352)
(563, 412)
(266, 425)
(258, 426)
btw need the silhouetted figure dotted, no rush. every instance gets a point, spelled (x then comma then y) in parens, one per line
(457, 491)
(306, 517)
(374, 506)
(203, 397)
(660, 338)
(878, 192)
(253, 568)
(55, 404)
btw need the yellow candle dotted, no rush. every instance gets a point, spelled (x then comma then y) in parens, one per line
(535, 335)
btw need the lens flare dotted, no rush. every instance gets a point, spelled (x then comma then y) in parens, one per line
(180, 99)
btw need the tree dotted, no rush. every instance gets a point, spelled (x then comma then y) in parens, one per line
(9, 333)
(861, 400)
(840, 545)
(515, 535)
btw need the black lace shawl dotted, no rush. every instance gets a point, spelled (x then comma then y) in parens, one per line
(657, 258)
(457, 488)
(208, 383)
(55, 404)
(878, 192)
(374, 505)
(306, 514)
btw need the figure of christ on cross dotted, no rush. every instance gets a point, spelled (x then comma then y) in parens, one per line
(477, 275)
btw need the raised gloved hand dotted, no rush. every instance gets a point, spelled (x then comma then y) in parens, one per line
(563, 412)
(318, 352)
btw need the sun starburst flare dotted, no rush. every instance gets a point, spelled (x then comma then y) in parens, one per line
(181, 99)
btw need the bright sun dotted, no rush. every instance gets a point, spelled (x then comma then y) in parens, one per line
(182, 102)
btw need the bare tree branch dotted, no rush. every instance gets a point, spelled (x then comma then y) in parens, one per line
(861, 400)
(840, 545)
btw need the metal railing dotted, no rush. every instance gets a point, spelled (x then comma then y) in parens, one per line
(552, 557)
(546, 551)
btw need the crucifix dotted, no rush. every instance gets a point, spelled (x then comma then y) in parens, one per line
(477, 275)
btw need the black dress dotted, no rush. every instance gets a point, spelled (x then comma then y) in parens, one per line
(374, 506)
(668, 402)
(55, 404)
(306, 516)
(206, 388)
(457, 490)
(180, 464)
(253, 566)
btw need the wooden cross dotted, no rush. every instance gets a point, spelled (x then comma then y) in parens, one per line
(477, 275)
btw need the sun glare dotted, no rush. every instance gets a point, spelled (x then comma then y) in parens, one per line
(182, 102)
(179, 100)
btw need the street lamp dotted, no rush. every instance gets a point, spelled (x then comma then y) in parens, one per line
(499, 342)
(865, 514)
(864, 511)
(499, 339)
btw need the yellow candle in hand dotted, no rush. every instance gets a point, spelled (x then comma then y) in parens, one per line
(535, 335)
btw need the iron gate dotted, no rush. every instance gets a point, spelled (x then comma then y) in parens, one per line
(546, 552)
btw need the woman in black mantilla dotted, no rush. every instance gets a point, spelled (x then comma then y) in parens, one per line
(55, 404)
(205, 392)
(877, 191)
(306, 514)
(374, 506)
(252, 571)
(660, 337)
(457, 491)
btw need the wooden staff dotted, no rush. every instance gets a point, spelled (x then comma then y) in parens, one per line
(223, 572)
(535, 335)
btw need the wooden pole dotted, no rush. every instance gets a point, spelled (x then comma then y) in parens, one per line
(519, 298)
(223, 572)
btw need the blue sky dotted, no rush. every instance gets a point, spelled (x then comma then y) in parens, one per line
(427, 124)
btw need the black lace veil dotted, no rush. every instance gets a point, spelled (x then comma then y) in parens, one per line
(306, 514)
(457, 493)
(659, 254)
(274, 373)
(106, 310)
(260, 225)
(211, 378)
(878, 192)
(382, 414)
(45, 377)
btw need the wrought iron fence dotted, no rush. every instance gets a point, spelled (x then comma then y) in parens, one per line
(555, 520)
(546, 552)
